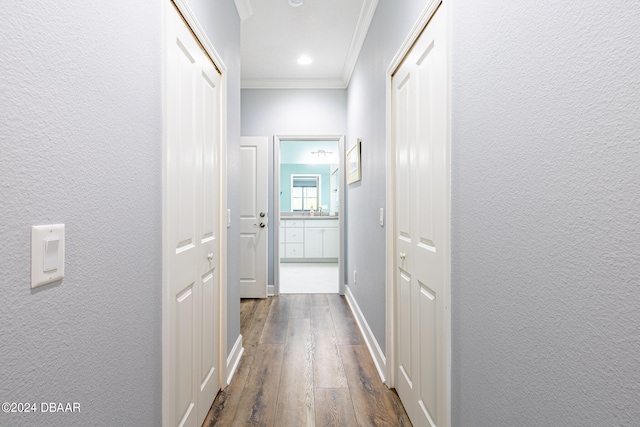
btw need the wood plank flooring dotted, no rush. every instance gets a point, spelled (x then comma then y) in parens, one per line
(305, 364)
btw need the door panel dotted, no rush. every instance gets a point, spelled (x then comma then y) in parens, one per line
(405, 326)
(248, 254)
(420, 126)
(249, 197)
(210, 159)
(208, 375)
(193, 224)
(428, 350)
(182, 183)
(209, 309)
(403, 103)
(185, 148)
(185, 399)
(253, 204)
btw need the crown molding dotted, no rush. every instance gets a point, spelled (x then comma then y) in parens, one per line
(244, 8)
(293, 84)
(359, 36)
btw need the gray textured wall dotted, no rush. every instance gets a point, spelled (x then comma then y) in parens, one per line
(366, 115)
(81, 144)
(269, 112)
(546, 213)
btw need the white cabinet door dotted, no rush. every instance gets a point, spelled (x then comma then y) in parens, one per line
(312, 242)
(420, 131)
(321, 239)
(331, 243)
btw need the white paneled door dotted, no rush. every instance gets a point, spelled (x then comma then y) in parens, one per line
(254, 234)
(192, 226)
(420, 114)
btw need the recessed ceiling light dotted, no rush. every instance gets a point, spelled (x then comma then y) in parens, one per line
(304, 60)
(295, 3)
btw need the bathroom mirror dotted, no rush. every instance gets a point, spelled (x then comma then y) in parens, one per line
(308, 177)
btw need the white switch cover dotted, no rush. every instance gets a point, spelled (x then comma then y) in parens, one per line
(47, 254)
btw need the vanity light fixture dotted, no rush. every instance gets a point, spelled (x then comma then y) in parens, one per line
(295, 3)
(322, 153)
(304, 60)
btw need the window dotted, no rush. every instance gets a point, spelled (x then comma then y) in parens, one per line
(305, 192)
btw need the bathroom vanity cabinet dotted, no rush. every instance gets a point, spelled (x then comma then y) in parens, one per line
(312, 239)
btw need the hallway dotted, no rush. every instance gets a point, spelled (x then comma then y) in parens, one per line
(305, 364)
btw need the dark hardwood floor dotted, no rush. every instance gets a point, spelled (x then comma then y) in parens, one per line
(305, 364)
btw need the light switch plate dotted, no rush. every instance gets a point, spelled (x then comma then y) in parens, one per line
(47, 254)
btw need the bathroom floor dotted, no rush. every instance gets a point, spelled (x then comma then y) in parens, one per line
(308, 278)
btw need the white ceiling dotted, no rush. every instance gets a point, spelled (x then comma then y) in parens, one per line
(275, 35)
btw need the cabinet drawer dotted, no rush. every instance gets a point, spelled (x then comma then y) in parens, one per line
(293, 235)
(292, 223)
(294, 250)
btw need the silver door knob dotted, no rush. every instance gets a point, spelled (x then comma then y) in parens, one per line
(210, 256)
(403, 255)
(262, 214)
(261, 225)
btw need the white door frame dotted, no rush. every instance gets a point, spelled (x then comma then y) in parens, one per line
(206, 44)
(391, 315)
(276, 203)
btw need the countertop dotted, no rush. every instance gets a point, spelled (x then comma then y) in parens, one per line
(287, 215)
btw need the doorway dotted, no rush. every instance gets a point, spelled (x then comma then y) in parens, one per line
(309, 228)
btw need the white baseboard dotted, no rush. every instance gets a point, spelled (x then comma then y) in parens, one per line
(377, 354)
(234, 359)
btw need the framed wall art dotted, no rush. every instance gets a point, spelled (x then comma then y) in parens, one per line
(354, 168)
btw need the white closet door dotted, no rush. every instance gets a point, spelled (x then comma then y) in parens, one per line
(420, 119)
(208, 378)
(193, 224)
